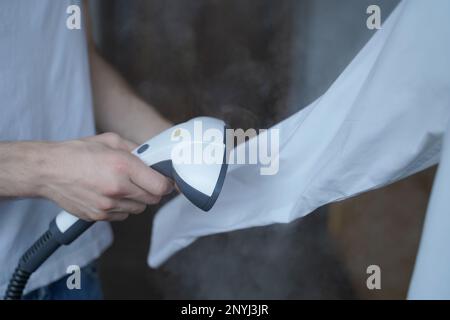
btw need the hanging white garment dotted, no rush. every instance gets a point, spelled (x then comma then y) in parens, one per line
(383, 119)
(431, 278)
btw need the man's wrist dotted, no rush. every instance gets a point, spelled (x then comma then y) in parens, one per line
(42, 156)
(25, 167)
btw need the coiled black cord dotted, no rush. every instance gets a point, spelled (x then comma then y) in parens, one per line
(29, 262)
(16, 285)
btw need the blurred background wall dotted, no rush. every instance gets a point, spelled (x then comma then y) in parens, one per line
(254, 63)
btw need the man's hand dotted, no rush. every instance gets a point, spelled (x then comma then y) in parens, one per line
(99, 179)
(96, 178)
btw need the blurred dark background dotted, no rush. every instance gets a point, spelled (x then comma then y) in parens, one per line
(254, 63)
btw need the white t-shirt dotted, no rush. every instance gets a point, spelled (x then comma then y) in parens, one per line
(45, 94)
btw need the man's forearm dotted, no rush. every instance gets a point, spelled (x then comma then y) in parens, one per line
(118, 108)
(23, 165)
(95, 178)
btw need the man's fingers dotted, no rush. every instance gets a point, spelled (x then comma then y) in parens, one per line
(140, 195)
(148, 179)
(129, 145)
(128, 207)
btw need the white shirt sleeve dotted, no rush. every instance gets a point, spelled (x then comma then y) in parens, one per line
(382, 120)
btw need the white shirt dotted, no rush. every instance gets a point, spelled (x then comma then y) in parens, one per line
(383, 119)
(45, 94)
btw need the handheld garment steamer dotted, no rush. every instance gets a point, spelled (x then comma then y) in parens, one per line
(200, 183)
